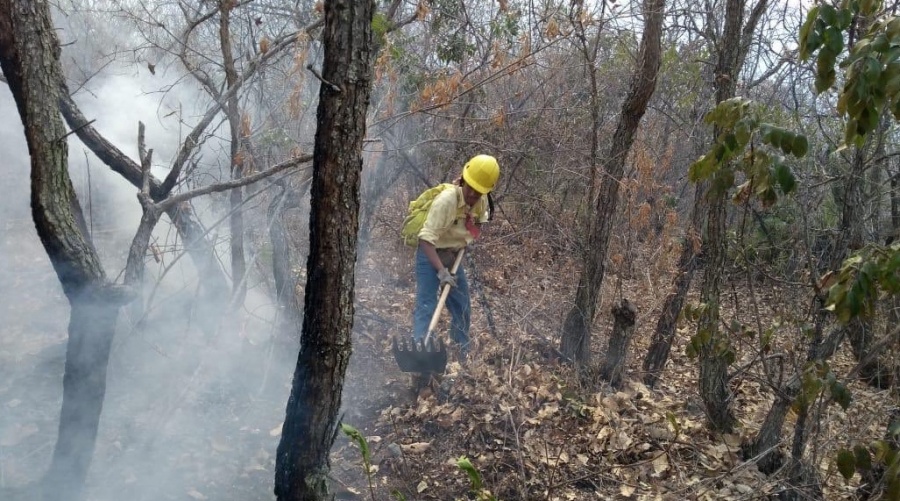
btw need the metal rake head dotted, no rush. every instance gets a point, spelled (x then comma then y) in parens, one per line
(417, 356)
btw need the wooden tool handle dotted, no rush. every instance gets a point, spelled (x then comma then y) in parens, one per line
(443, 300)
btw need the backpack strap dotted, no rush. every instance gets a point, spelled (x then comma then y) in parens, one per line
(490, 207)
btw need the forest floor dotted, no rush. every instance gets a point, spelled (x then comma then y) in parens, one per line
(188, 420)
(533, 429)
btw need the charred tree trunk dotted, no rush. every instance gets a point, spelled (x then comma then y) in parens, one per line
(302, 462)
(576, 332)
(613, 369)
(29, 57)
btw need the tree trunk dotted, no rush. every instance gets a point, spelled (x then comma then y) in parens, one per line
(895, 205)
(860, 330)
(302, 462)
(29, 56)
(576, 333)
(613, 369)
(236, 220)
(661, 344)
(282, 266)
(715, 350)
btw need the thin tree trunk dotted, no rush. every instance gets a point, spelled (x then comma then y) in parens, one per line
(715, 351)
(613, 370)
(661, 344)
(29, 57)
(576, 333)
(302, 462)
(236, 221)
(282, 266)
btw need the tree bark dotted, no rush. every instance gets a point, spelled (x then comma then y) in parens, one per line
(236, 196)
(715, 350)
(664, 334)
(29, 57)
(613, 369)
(302, 462)
(576, 332)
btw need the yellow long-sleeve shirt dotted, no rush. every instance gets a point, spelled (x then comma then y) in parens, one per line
(445, 224)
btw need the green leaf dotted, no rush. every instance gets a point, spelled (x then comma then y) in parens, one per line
(846, 463)
(863, 458)
(704, 167)
(360, 440)
(841, 395)
(894, 429)
(474, 477)
(785, 178)
(845, 17)
(834, 40)
(829, 14)
(807, 45)
(800, 146)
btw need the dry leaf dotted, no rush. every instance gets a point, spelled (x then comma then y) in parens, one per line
(422, 486)
(660, 464)
(276, 431)
(416, 448)
(626, 490)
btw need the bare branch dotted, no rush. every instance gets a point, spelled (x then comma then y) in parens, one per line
(321, 79)
(235, 183)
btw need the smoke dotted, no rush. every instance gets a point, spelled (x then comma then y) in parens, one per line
(188, 414)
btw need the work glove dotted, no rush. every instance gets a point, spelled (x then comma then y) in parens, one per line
(446, 277)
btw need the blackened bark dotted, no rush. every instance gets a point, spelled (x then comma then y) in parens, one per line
(302, 462)
(576, 331)
(613, 370)
(29, 57)
(714, 352)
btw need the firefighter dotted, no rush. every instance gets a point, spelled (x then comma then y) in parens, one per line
(452, 223)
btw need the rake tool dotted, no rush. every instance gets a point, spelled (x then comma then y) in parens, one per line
(428, 354)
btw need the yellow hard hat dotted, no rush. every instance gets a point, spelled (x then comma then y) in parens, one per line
(481, 173)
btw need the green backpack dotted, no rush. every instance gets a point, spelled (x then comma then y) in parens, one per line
(418, 211)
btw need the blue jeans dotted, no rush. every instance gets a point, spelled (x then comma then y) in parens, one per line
(427, 289)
